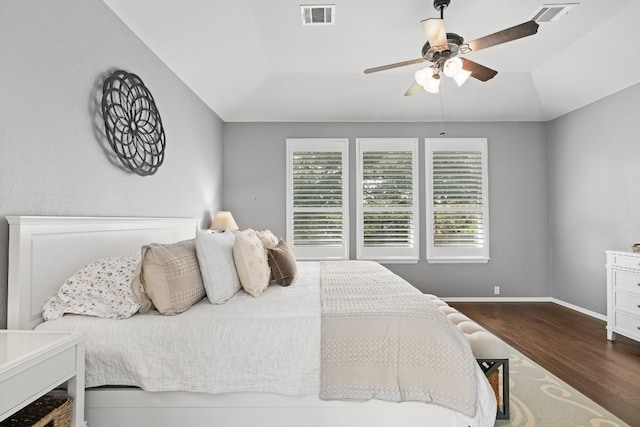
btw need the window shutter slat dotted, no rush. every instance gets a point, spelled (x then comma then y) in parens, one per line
(453, 228)
(457, 178)
(387, 178)
(317, 229)
(317, 179)
(388, 229)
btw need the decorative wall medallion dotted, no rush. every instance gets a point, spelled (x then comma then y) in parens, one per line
(132, 123)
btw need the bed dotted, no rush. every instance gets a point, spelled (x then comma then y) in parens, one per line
(45, 251)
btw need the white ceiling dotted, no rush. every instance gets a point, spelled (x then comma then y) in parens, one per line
(253, 60)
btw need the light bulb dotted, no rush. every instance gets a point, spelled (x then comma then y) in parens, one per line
(433, 84)
(452, 66)
(423, 75)
(461, 77)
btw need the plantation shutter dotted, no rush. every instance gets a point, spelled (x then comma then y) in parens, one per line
(317, 202)
(387, 199)
(457, 200)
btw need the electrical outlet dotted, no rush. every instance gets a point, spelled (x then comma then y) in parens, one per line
(496, 290)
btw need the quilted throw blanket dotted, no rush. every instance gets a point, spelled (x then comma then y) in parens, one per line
(382, 339)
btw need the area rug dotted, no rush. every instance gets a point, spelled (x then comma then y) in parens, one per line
(539, 398)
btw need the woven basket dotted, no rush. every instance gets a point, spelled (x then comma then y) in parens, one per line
(494, 381)
(48, 411)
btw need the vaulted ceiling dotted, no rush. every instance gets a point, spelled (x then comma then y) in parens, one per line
(253, 60)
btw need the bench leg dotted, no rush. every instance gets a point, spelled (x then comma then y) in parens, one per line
(489, 366)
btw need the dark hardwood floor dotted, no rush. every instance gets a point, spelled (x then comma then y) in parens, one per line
(571, 345)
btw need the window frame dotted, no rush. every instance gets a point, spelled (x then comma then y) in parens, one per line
(466, 254)
(318, 145)
(388, 254)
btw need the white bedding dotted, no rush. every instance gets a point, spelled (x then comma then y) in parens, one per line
(266, 344)
(269, 344)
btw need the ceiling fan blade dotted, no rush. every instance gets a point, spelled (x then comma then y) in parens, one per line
(415, 88)
(478, 71)
(396, 65)
(523, 30)
(434, 32)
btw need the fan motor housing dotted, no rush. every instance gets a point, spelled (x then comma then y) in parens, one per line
(441, 4)
(454, 41)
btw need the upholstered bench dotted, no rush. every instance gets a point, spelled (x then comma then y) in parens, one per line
(490, 351)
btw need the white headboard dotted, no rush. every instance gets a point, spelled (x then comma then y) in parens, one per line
(44, 251)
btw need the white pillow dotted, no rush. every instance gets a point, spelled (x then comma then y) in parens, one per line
(215, 256)
(268, 239)
(102, 288)
(251, 262)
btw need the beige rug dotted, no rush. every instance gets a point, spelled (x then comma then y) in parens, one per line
(539, 398)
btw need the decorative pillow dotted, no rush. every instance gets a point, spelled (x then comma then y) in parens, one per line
(268, 239)
(168, 278)
(251, 262)
(215, 256)
(101, 288)
(283, 264)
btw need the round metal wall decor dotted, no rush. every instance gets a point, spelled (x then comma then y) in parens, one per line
(132, 123)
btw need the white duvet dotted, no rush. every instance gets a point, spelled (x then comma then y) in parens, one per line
(268, 344)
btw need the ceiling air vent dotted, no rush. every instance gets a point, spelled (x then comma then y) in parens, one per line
(553, 12)
(318, 14)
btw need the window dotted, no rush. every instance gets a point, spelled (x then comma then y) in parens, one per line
(317, 198)
(387, 199)
(457, 200)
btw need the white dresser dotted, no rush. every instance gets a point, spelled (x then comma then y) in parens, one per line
(623, 294)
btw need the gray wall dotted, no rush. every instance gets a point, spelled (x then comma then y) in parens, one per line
(254, 190)
(52, 54)
(594, 198)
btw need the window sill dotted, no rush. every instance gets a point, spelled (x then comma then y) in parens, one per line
(392, 260)
(458, 260)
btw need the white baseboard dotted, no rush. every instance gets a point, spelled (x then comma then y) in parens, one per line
(496, 299)
(580, 309)
(528, 299)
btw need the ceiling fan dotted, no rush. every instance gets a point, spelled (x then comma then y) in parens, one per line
(443, 51)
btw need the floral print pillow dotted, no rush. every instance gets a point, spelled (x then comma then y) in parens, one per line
(101, 288)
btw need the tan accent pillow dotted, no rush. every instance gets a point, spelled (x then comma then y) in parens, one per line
(250, 258)
(283, 264)
(168, 278)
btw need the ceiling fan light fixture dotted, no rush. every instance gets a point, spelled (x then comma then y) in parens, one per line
(433, 84)
(423, 75)
(452, 66)
(429, 80)
(442, 49)
(461, 77)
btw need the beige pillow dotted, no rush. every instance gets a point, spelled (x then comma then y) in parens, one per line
(283, 264)
(268, 239)
(168, 278)
(252, 266)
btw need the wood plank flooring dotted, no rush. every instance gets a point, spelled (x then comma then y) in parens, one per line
(571, 345)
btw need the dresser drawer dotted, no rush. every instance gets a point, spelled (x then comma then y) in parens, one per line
(630, 324)
(627, 302)
(629, 281)
(625, 260)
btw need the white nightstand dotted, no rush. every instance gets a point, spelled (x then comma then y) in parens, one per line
(33, 363)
